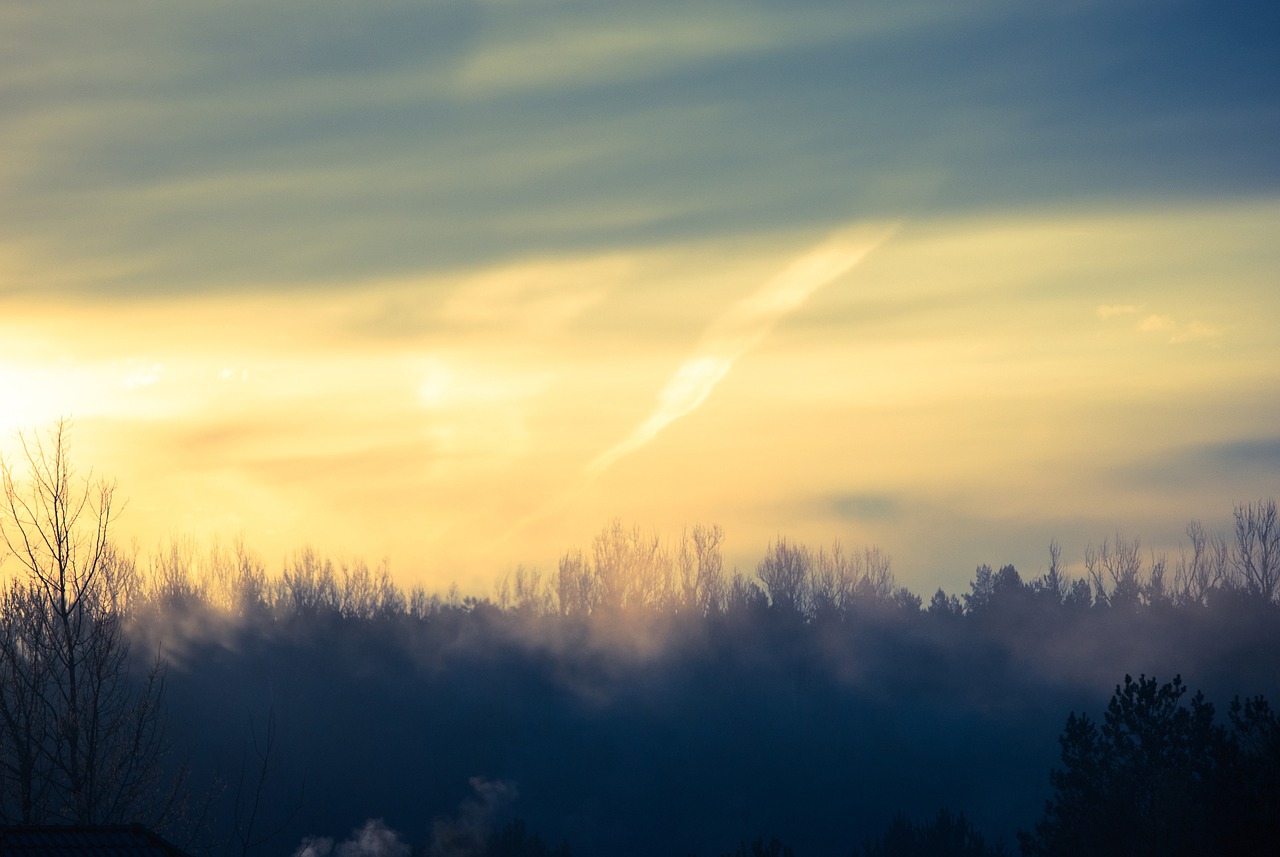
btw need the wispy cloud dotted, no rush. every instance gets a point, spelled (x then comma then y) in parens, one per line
(1107, 311)
(1195, 330)
(741, 328)
(1156, 322)
(534, 298)
(1178, 332)
(540, 45)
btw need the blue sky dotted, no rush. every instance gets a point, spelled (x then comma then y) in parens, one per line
(390, 277)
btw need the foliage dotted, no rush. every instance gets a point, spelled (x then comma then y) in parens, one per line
(1161, 777)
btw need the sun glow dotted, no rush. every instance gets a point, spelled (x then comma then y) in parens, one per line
(425, 417)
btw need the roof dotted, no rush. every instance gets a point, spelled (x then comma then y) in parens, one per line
(84, 840)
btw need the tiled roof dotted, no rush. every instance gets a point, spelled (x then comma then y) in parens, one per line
(99, 840)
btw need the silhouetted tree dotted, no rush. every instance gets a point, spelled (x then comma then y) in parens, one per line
(993, 590)
(514, 840)
(248, 832)
(761, 848)
(79, 738)
(1256, 553)
(744, 597)
(943, 605)
(308, 586)
(948, 835)
(1202, 570)
(784, 571)
(1115, 567)
(1162, 778)
(632, 569)
(1248, 793)
(1053, 585)
(25, 673)
(577, 592)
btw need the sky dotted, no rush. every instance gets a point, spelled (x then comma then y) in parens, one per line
(458, 283)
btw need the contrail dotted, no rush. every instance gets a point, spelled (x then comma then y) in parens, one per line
(730, 336)
(741, 328)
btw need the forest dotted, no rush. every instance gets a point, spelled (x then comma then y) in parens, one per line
(639, 699)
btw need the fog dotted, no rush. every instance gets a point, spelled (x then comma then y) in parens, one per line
(644, 700)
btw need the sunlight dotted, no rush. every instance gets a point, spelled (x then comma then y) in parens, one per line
(435, 387)
(34, 398)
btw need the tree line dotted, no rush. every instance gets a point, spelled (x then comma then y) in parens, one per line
(624, 569)
(629, 570)
(83, 675)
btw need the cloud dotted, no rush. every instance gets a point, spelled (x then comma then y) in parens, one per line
(143, 376)
(1249, 454)
(1246, 466)
(584, 45)
(533, 298)
(235, 145)
(741, 328)
(1193, 331)
(861, 507)
(1179, 332)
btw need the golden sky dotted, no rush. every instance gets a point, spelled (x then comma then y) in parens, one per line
(459, 285)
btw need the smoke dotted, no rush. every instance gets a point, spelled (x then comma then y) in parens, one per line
(740, 329)
(375, 839)
(466, 834)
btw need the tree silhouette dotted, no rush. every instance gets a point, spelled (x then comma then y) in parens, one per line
(514, 840)
(948, 835)
(760, 848)
(1162, 778)
(1256, 554)
(80, 740)
(785, 572)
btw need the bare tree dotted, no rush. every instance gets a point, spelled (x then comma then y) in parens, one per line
(577, 591)
(1156, 590)
(1256, 555)
(785, 573)
(24, 728)
(1121, 563)
(632, 568)
(83, 740)
(1202, 570)
(525, 592)
(702, 584)
(1054, 584)
(834, 580)
(877, 582)
(247, 801)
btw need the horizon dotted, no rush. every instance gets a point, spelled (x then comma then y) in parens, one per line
(209, 566)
